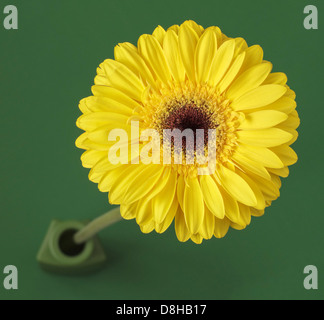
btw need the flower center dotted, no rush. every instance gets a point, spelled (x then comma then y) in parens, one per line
(191, 106)
(190, 116)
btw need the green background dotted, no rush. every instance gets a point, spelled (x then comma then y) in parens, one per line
(48, 65)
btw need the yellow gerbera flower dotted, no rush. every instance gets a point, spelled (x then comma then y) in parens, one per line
(196, 78)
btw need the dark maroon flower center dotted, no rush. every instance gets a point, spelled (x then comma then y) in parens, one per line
(191, 117)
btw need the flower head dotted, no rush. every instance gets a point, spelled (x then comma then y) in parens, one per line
(240, 116)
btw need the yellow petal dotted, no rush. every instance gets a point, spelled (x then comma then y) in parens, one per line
(174, 28)
(261, 155)
(148, 227)
(84, 143)
(262, 119)
(113, 96)
(257, 213)
(181, 228)
(128, 211)
(249, 80)
(254, 56)
(293, 120)
(256, 190)
(219, 35)
(94, 120)
(172, 54)
(162, 202)
(287, 155)
(212, 196)
(196, 27)
(221, 62)
(259, 97)
(221, 227)
(123, 79)
(101, 77)
(128, 190)
(197, 238)
(152, 52)
(205, 52)
(151, 174)
(80, 141)
(246, 164)
(160, 183)
(236, 186)
(159, 34)
(282, 172)
(193, 205)
(276, 78)
(144, 211)
(232, 209)
(271, 137)
(240, 46)
(101, 168)
(268, 188)
(101, 133)
(290, 93)
(291, 131)
(180, 190)
(237, 226)
(187, 45)
(245, 213)
(105, 104)
(90, 157)
(232, 72)
(83, 106)
(106, 181)
(170, 215)
(276, 180)
(130, 57)
(284, 104)
(208, 226)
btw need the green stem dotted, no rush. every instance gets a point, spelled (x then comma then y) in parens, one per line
(93, 227)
